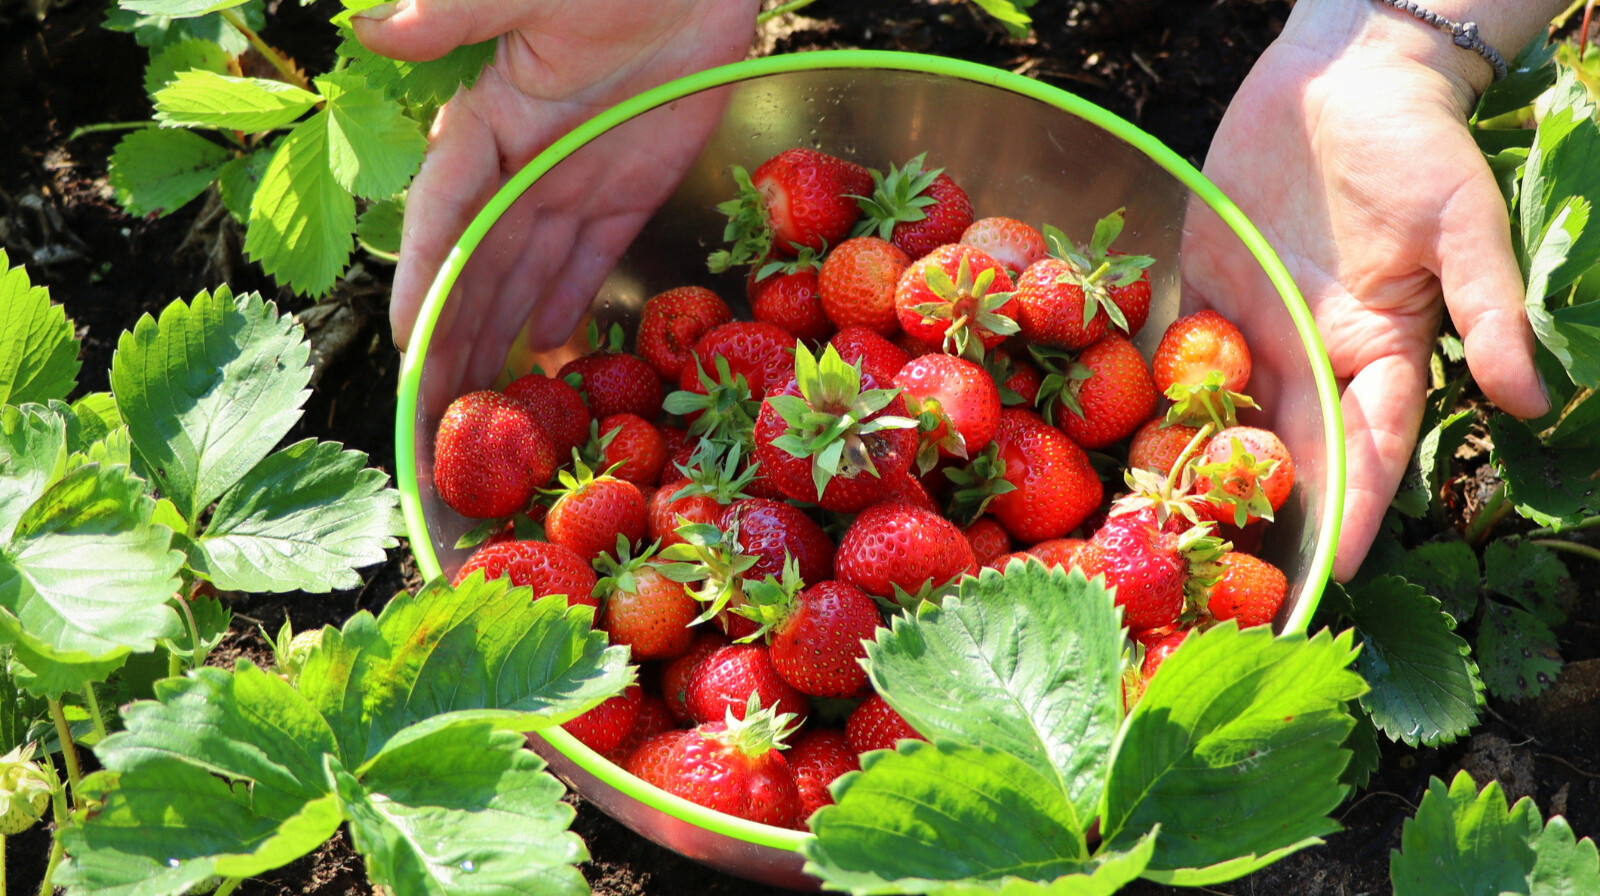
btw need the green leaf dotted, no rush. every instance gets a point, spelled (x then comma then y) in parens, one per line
(1364, 752)
(208, 390)
(1463, 842)
(211, 621)
(1430, 462)
(1447, 570)
(182, 55)
(237, 182)
(156, 171)
(1563, 165)
(38, 350)
(1563, 865)
(1107, 873)
(1425, 687)
(301, 219)
(1234, 749)
(157, 31)
(1517, 652)
(198, 98)
(33, 455)
(305, 518)
(1530, 73)
(1571, 334)
(480, 651)
(420, 85)
(1551, 487)
(373, 148)
(928, 814)
(18, 710)
(1025, 662)
(1530, 574)
(463, 811)
(177, 8)
(378, 228)
(94, 417)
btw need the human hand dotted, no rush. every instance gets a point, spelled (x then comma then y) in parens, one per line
(1347, 146)
(558, 63)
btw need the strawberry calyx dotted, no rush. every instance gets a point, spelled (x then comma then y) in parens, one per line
(1207, 400)
(617, 570)
(967, 303)
(829, 418)
(718, 472)
(898, 196)
(1095, 268)
(1059, 388)
(931, 592)
(709, 562)
(805, 258)
(1166, 495)
(727, 411)
(770, 601)
(747, 228)
(612, 340)
(931, 420)
(1236, 483)
(762, 730)
(982, 480)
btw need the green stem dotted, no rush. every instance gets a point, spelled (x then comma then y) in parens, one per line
(94, 713)
(1560, 21)
(46, 888)
(1571, 547)
(69, 751)
(109, 126)
(1588, 522)
(2, 865)
(58, 813)
(227, 887)
(791, 6)
(199, 657)
(1492, 512)
(267, 51)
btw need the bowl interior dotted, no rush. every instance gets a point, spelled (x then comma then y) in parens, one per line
(634, 193)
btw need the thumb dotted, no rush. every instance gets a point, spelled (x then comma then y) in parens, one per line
(421, 30)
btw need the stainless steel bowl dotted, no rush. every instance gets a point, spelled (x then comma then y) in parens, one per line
(623, 208)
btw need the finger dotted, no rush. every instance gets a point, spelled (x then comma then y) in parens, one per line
(1382, 410)
(420, 30)
(460, 173)
(1484, 291)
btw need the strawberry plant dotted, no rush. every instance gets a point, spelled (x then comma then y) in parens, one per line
(292, 157)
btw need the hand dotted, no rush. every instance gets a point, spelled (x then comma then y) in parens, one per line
(559, 62)
(1349, 150)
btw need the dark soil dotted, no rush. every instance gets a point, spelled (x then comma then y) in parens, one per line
(1168, 66)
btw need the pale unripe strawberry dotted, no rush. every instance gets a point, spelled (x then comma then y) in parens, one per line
(24, 791)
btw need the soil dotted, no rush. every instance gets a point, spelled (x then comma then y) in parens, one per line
(1170, 67)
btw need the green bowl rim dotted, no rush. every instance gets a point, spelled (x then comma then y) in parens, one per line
(411, 369)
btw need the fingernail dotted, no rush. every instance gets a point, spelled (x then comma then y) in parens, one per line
(382, 10)
(1544, 386)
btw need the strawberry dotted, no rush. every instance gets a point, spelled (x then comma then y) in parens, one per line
(676, 673)
(592, 512)
(772, 531)
(631, 448)
(799, 198)
(816, 642)
(901, 553)
(761, 353)
(710, 561)
(874, 725)
(910, 490)
(856, 285)
(1055, 552)
(957, 402)
(1018, 379)
(869, 351)
(787, 294)
(818, 757)
(670, 323)
(1203, 364)
(1244, 474)
(1034, 480)
(1157, 652)
(699, 498)
(1152, 568)
(1158, 445)
(653, 718)
(914, 208)
(490, 455)
(1056, 308)
(1251, 590)
(604, 728)
(832, 436)
(1104, 396)
(615, 382)
(1104, 280)
(730, 766)
(547, 568)
(988, 538)
(1008, 241)
(557, 406)
(644, 609)
(731, 678)
(956, 299)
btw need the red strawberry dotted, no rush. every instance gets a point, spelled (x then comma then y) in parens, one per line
(787, 295)
(957, 398)
(1019, 380)
(1008, 241)
(895, 551)
(670, 323)
(988, 539)
(615, 382)
(1245, 474)
(816, 644)
(644, 609)
(798, 198)
(1157, 653)
(547, 568)
(673, 440)
(605, 727)
(653, 718)
(1152, 568)
(1251, 590)
(1099, 280)
(771, 531)
(869, 351)
(733, 768)
(1060, 552)
(1054, 308)
(956, 299)
(759, 352)
(818, 757)
(857, 284)
(490, 455)
(632, 448)
(874, 725)
(918, 210)
(732, 677)
(1035, 480)
(910, 490)
(558, 407)
(593, 512)
(833, 436)
(699, 498)
(1203, 365)
(1157, 445)
(1103, 397)
(676, 674)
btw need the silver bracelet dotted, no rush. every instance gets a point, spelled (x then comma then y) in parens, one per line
(1464, 34)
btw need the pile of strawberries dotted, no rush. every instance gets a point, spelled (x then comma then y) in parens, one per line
(916, 397)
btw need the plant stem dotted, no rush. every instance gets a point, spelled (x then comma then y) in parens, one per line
(109, 126)
(46, 888)
(58, 813)
(94, 713)
(198, 659)
(69, 751)
(1571, 547)
(1588, 522)
(227, 887)
(1493, 511)
(2, 865)
(267, 51)
(782, 8)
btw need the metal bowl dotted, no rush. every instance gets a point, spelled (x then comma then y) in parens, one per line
(623, 207)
